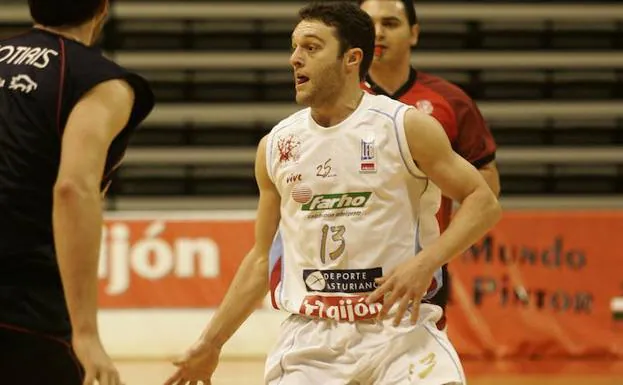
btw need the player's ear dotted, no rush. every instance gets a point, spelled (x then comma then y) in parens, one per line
(353, 57)
(415, 34)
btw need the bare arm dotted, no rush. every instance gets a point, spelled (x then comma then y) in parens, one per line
(77, 210)
(491, 175)
(458, 179)
(250, 284)
(245, 293)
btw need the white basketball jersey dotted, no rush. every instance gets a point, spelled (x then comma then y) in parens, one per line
(353, 207)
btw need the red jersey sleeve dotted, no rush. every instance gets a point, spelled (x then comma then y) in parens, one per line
(446, 117)
(474, 141)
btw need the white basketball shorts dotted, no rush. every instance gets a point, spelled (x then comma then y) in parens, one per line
(324, 352)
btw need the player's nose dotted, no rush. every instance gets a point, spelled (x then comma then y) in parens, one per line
(296, 60)
(379, 31)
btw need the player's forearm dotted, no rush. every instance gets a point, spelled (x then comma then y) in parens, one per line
(247, 290)
(478, 212)
(77, 221)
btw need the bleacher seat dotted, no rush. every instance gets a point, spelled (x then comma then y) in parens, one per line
(548, 77)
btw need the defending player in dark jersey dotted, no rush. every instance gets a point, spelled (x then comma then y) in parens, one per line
(391, 74)
(66, 117)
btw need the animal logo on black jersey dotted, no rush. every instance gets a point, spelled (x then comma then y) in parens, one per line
(23, 83)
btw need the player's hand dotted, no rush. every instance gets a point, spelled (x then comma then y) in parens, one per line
(98, 367)
(406, 285)
(198, 364)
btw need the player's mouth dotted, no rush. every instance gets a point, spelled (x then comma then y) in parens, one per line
(379, 50)
(299, 80)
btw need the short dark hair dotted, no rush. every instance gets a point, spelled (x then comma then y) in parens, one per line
(61, 13)
(409, 9)
(354, 27)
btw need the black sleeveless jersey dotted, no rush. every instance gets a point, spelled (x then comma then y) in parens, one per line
(42, 77)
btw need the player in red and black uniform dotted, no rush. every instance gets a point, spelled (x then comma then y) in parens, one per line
(66, 116)
(391, 74)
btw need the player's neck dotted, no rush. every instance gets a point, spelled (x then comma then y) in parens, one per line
(81, 34)
(390, 77)
(336, 111)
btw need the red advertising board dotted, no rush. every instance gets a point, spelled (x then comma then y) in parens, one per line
(539, 284)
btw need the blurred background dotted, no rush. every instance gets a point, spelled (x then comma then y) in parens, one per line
(546, 284)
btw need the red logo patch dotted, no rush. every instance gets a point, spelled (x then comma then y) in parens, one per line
(288, 149)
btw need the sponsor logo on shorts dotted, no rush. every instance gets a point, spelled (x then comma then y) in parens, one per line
(339, 308)
(341, 281)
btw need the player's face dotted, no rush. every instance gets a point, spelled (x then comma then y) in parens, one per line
(319, 70)
(394, 35)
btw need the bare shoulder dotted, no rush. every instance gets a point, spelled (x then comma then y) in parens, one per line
(262, 176)
(291, 119)
(261, 146)
(102, 112)
(115, 91)
(420, 126)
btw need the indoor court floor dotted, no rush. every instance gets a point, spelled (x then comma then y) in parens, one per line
(551, 372)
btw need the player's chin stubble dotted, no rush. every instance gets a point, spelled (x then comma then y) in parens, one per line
(303, 98)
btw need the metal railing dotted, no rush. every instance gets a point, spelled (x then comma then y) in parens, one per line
(203, 156)
(145, 203)
(178, 60)
(272, 113)
(275, 10)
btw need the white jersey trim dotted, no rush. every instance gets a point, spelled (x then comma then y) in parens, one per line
(403, 145)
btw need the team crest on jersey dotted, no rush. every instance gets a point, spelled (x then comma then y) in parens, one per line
(425, 106)
(289, 148)
(368, 156)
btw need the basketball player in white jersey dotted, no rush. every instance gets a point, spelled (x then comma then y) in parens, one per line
(345, 185)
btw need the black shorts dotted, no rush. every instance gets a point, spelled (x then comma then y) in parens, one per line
(34, 328)
(36, 359)
(442, 297)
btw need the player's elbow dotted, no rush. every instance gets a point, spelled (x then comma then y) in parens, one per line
(259, 259)
(492, 177)
(495, 187)
(492, 209)
(73, 189)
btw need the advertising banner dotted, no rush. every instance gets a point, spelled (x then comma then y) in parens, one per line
(539, 284)
(155, 261)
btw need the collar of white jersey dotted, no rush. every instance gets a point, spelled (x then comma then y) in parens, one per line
(364, 103)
